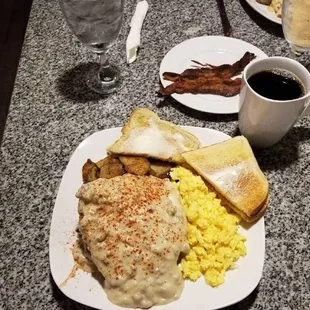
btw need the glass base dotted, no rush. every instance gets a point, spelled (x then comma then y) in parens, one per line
(298, 50)
(107, 84)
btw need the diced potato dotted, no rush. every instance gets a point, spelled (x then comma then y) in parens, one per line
(266, 2)
(110, 167)
(135, 165)
(160, 168)
(90, 171)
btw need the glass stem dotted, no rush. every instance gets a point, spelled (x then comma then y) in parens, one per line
(104, 73)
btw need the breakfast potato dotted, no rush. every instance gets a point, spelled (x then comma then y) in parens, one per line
(110, 167)
(135, 165)
(103, 161)
(265, 2)
(160, 168)
(90, 171)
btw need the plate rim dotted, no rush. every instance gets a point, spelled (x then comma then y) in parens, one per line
(76, 150)
(256, 7)
(178, 97)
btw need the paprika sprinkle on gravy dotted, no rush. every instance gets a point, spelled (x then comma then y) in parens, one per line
(134, 228)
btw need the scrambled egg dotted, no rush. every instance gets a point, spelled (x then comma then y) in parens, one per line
(212, 231)
(276, 6)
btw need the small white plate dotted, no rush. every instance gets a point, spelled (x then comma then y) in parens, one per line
(215, 50)
(85, 289)
(263, 10)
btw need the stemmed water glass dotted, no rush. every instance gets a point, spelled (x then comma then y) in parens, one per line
(97, 23)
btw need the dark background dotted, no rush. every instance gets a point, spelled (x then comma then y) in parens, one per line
(14, 16)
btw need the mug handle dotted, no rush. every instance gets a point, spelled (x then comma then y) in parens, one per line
(305, 111)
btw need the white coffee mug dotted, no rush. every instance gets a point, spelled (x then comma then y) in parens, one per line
(265, 121)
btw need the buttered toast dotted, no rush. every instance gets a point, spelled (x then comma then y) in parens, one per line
(231, 169)
(147, 135)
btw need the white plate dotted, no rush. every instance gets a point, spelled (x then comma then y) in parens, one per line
(263, 10)
(83, 288)
(215, 50)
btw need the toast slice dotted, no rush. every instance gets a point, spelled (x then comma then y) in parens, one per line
(147, 135)
(231, 169)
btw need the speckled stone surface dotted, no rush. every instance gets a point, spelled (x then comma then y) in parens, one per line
(52, 111)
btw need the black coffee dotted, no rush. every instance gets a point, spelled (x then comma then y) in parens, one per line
(277, 84)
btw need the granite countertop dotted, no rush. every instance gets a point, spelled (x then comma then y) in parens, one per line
(52, 111)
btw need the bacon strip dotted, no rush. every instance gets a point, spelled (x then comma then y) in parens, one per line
(208, 79)
(217, 86)
(224, 71)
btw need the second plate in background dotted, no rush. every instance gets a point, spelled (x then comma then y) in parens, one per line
(215, 50)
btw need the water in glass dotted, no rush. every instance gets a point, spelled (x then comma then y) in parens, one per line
(97, 23)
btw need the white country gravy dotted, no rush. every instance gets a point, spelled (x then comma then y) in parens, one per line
(135, 228)
(82, 257)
